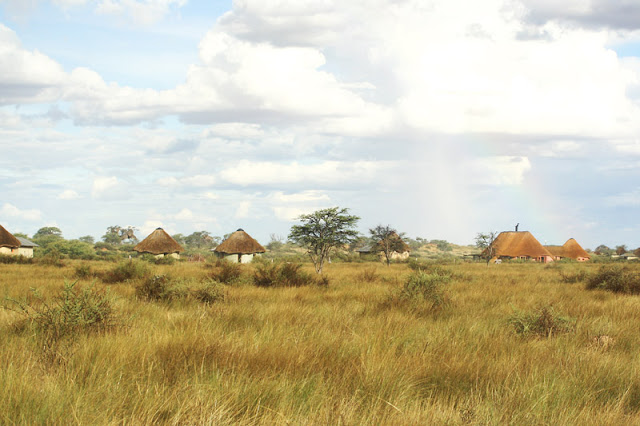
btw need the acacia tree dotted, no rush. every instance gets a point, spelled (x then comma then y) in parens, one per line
(322, 231)
(620, 250)
(484, 241)
(387, 240)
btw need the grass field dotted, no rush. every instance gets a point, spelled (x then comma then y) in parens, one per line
(336, 354)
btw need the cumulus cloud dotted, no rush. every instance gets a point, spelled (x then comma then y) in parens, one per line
(26, 76)
(68, 194)
(11, 211)
(327, 173)
(104, 187)
(614, 14)
(500, 170)
(242, 211)
(197, 181)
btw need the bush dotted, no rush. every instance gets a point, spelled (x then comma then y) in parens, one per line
(616, 279)
(209, 292)
(226, 272)
(161, 288)
(284, 275)
(84, 271)
(165, 260)
(573, 278)
(126, 271)
(53, 258)
(368, 275)
(426, 289)
(21, 260)
(72, 312)
(543, 322)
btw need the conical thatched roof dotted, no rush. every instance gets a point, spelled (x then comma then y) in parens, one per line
(240, 243)
(7, 239)
(570, 249)
(516, 244)
(158, 242)
(573, 250)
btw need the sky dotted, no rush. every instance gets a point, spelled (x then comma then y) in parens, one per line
(441, 118)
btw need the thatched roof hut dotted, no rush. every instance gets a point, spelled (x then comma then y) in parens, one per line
(571, 249)
(7, 239)
(519, 245)
(239, 243)
(159, 243)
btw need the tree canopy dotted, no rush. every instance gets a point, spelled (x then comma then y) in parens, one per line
(322, 231)
(387, 240)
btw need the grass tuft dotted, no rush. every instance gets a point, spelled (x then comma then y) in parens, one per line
(543, 322)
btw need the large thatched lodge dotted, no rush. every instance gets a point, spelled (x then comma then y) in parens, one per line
(523, 245)
(239, 247)
(15, 246)
(159, 244)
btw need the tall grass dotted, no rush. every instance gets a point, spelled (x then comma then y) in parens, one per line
(329, 355)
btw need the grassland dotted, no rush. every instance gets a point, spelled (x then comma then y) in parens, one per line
(338, 354)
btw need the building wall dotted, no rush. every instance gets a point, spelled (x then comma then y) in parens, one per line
(237, 258)
(6, 250)
(174, 255)
(26, 251)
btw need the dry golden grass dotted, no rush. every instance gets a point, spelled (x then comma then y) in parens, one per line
(331, 355)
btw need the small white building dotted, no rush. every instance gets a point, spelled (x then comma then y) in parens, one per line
(9, 245)
(26, 247)
(240, 247)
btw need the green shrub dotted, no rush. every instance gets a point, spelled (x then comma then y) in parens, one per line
(616, 279)
(283, 275)
(543, 322)
(225, 272)
(9, 259)
(209, 292)
(427, 289)
(84, 271)
(126, 271)
(52, 258)
(165, 260)
(161, 288)
(71, 312)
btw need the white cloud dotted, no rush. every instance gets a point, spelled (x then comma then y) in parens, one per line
(104, 186)
(11, 211)
(197, 181)
(143, 12)
(26, 76)
(242, 211)
(68, 194)
(500, 170)
(247, 173)
(631, 198)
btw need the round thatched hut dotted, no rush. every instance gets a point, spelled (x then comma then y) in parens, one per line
(8, 243)
(240, 247)
(160, 244)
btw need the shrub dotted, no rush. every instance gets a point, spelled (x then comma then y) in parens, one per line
(126, 271)
(226, 272)
(72, 312)
(83, 271)
(21, 260)
(161, 288)
(427, 289)
(209, 292)
(616, 279)
(368, 275)
(53, 258)
(165, 260)
(543, 322)
(572, 278)
(283, 275)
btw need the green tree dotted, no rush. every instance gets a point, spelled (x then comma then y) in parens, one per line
(112, 236)
(484, 241)
(48, 231)
(323, 231)
(20, 234)
(179, 239)
(87, 239)
(603, 250)
(387, 240)
(201, 240)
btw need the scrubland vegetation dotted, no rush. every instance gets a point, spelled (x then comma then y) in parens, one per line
(420, 343)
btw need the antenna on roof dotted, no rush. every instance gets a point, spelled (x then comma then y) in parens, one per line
(517, 224)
